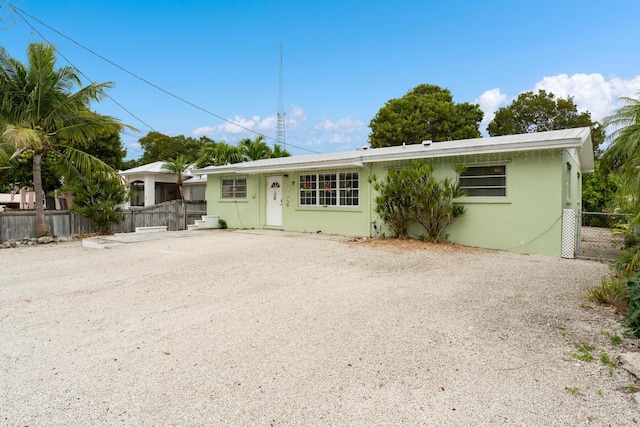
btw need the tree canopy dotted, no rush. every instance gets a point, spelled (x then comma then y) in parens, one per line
(426, 112)
(542, 111)
(247, 150)
(160, 147)
(41, 114)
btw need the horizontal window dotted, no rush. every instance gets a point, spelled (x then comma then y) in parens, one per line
(234, 188)
(329, 189)
(484, 181)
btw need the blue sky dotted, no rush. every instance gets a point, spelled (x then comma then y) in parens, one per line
(342, 59)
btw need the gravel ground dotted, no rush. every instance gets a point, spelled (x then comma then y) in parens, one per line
(240, 328)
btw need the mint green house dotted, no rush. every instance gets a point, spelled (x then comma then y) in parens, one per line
(517, 188)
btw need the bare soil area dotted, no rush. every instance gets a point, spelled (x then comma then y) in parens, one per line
(275, 329)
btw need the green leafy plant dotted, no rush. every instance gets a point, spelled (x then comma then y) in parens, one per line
(413, 195)
(584, 352)
(611, 291)
(614, 338)
(632, 320)
(604, 358)
(222, 224)
(573, 390)
(99, 197)
(393, 203)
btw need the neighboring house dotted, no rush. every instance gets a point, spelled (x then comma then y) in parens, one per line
(150, 185)
(517, 187)
(25, 198)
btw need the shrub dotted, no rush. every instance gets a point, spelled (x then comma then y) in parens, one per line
(413, 195)
(222, 224)
(99, 197)
(393, 203)
(610, 292)
(632, 321)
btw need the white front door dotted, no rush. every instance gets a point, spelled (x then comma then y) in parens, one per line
(274, 201)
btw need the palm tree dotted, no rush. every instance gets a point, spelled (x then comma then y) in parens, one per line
(623, 157)
(256, 149)
(219, 155)
(177, 167)
(624, 150)
(278, 151)
(623, 154)
(39, 111)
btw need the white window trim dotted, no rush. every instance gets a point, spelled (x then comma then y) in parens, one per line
(235, 184)
(337, 189)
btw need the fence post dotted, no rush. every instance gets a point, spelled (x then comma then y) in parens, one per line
(569, 233)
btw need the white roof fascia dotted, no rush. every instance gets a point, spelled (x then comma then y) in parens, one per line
(569, 138)
(247, 168)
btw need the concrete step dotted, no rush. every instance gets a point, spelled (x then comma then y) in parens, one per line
(152, 229)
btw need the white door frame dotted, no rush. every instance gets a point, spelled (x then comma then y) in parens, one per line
(273, 201)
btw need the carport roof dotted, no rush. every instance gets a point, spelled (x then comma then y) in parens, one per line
(579, 138)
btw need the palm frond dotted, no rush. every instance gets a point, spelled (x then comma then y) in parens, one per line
(75, 164)
(22, 138)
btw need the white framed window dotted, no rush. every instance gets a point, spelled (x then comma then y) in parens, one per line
(234, 188)
(484, 181)
(329, 189)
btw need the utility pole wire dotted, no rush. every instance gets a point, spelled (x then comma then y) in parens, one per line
(21, 12)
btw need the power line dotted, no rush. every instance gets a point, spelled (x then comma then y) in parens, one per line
(17, 9)
(81, 73)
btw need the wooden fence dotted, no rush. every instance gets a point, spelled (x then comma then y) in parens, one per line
(176, 215)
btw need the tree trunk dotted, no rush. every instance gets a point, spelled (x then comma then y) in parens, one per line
(42, 228)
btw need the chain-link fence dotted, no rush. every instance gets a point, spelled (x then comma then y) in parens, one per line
(602, 235)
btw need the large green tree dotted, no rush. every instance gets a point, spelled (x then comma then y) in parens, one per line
(40, 110)
(542, 111)
(426, 112)
(160, 147)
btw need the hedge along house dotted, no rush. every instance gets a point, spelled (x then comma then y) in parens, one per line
(517, 187)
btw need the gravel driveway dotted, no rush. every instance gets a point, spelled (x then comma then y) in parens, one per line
(242, 328)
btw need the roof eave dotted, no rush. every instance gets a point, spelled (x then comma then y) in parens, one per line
(248, 170)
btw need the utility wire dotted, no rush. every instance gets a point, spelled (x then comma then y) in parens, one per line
(81, 73)
(147, 81)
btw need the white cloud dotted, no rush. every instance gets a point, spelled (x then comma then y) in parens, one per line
(590, 92)
(340, 138)
(344, 125)
(489, 102)
(236, 126)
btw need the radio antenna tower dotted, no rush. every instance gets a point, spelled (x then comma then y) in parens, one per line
(280, 123)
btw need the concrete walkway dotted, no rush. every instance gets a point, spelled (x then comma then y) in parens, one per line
(121, 239)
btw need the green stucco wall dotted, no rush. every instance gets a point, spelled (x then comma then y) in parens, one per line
(528, 219)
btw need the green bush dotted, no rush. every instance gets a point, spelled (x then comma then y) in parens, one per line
(413, 195)
(222, 224)
(99, 197)
(632, 321)
(611, 291)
